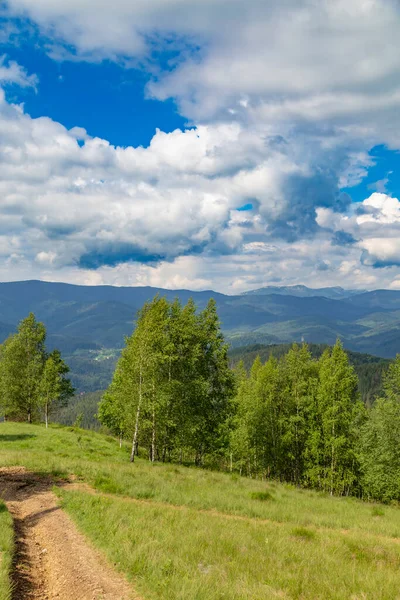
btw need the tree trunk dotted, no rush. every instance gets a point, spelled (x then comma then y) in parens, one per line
(136, 432)
(46, 414)
(120, 439)
(29, 416)
(153, 425)
(153, 438)
(333, 456)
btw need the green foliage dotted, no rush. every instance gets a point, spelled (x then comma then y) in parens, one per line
(370, 370)
(379, 446)
(81, 405)
(54, 387)
(30, 378)
(172, 386)
(296, 420)
(331, 448)
(22, 360)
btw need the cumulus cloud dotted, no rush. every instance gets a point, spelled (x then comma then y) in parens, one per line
(79, 200)
(297, 61)
(285, 99)
(373, 226)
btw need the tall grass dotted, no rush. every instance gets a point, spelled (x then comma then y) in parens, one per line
(188, 555)
(6, 551)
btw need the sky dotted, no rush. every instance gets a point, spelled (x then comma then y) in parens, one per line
(201, 144)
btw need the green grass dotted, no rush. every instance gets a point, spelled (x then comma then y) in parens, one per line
(189, 534)
(6, 550)
(187, 555)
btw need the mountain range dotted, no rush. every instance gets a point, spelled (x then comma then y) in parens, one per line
(88, 323)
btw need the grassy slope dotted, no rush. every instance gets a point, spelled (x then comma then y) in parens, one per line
(188, 534)
(6, 548)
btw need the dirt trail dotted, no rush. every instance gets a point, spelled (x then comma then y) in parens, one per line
(53, 560)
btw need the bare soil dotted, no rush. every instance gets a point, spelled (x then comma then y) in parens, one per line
(53, 561)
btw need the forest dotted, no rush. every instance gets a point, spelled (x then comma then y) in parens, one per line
(294, 416)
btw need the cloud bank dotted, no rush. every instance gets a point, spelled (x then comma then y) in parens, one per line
(285, 99)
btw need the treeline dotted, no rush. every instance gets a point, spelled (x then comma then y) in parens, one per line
(301, 420)
(81, 411)
(370, 369)
(33, 381)
(296, 419)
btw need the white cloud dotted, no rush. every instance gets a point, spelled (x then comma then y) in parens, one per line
(286, 100)
(92, 203)
(65, 207)
(12, 72)
(294, 60)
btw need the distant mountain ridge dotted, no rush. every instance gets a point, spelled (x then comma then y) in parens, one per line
(302, 291)
(89, 323)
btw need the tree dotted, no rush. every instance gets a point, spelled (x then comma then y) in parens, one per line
(54, 386)
(379, 448)
(172, 385)
(272, 415)
(215, 384)
(22, 362)
(30, 377)
(130, 403)
(331, 447)
(300, 377)
(112, 409)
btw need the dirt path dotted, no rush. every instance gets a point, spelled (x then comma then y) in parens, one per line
(53, 560)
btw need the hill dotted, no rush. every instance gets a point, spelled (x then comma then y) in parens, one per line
(88, 323)
(179, 532)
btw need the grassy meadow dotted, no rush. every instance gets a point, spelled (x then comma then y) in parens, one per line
(190, 534)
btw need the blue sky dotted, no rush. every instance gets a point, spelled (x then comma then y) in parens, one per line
(199, 143)
(105, 98)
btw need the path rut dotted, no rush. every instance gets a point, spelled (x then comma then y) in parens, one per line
(53, 561)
